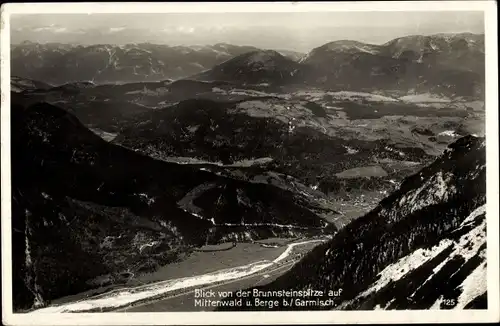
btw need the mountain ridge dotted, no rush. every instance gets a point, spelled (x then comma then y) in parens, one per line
(440, 63)
(59, 63)
(255, 67)
(427, 235)
(451, 65)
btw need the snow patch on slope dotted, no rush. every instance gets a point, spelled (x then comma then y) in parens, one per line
(467, 246)
(473, 286)
(349, 95)
(405, 265)
(425, 98)
(449, 133)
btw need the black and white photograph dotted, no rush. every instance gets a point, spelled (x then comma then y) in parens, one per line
(263, 158)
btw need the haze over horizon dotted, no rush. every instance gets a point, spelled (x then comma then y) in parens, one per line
(284, 31)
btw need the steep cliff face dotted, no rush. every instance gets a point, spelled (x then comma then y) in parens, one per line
(422, 247)
(86, 213)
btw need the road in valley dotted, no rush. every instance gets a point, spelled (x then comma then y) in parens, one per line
(178, 294)
(185, 301)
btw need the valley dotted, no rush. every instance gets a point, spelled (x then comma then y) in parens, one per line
(162, 286)
(253, 168)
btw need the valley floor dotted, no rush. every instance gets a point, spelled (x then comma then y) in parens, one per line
(172, 287)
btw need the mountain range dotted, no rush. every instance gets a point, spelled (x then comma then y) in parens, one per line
(58, 63)
(451, 64)
(455, 51)
(443, 64)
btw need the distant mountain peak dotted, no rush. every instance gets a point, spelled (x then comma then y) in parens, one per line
(457, 35)
(259, 66)
(344, 43)
(348, 46)
(263, 56)
(222, 45)
(422, 40)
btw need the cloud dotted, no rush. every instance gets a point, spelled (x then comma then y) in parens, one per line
(219, 29)
(186, 30)
(41, 29)
(116, 29)
(51, 28)
(61, 30)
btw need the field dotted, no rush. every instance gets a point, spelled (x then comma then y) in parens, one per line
(171, 285)
(359, 203)
(199, 263)
(364, 171)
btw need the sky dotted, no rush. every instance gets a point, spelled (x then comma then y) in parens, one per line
(296, 31)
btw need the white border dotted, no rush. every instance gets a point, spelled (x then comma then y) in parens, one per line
(224, 318)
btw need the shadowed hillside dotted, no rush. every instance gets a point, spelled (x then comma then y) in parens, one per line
(88, 213)
(423, 246)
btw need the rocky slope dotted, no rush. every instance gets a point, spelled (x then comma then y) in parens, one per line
(422, 247)
(87, 213)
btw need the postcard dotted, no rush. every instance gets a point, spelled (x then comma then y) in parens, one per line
(249, 163)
